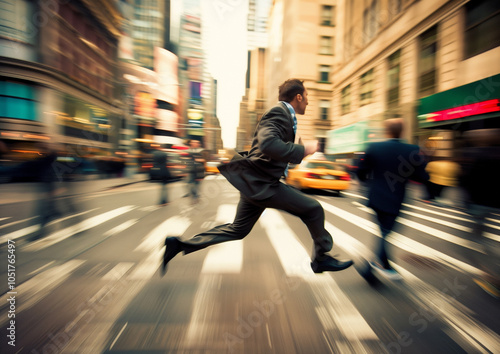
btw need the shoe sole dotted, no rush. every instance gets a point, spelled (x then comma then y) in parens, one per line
(318, 271)
(488, 288)
(393, 277)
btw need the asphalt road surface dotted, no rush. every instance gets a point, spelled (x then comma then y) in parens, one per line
(92, 283)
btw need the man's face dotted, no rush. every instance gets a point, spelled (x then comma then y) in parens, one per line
(302, 103)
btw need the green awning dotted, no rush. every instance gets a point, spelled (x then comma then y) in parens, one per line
(473, 101)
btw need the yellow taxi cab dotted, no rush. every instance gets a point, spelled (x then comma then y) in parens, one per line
(314, 173)
(211, 166)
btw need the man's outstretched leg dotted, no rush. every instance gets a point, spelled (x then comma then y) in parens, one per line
(247, 215)
(311, 212)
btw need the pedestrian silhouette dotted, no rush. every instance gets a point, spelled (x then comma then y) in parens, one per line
(256, 174)
(196, 171)
(479, 179)
(387, 166)
(443, 173)
(161, 172)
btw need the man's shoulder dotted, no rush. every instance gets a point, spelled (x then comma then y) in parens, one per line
(391, 145)
(278, 109)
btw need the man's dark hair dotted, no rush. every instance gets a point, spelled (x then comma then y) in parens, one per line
(394, 127)
(289, 89)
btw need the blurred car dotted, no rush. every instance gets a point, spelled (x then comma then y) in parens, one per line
(319, 174)
(211, 166)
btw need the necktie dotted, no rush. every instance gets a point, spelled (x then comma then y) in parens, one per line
(292, 112)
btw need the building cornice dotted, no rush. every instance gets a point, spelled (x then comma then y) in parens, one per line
(47, 76)
(348, 72)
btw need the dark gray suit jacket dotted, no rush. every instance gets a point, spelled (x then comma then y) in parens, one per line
(388, 165)
(257, 173)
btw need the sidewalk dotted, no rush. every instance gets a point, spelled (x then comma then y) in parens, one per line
(24, 192)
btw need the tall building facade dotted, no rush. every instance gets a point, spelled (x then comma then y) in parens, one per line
(435, 63)
(253, 104)
(257, 21)
(58, 75)
(149, 67)
(302, 45)
(149, 29)
(193, 73)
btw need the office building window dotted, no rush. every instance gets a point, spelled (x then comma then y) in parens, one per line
(327, 15)
(395, 7)
(325, 45)
(366, 91)
(17, 101)
(371, 21)
(482, 31)
(345, 100)
(427, 71)
(324, 109)
(324, 73)
(348, 45)
(393, 79)
(15, 23)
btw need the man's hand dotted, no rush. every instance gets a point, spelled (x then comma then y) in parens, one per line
(310, 147)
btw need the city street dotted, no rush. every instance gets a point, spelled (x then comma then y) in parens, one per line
(92, 283)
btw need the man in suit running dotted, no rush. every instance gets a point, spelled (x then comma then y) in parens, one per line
(257, 176)
(387, 166)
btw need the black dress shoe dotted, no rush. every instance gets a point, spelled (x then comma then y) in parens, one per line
(329, 264)
(172, 248)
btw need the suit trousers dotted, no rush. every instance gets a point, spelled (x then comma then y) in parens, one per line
(386, 222)
(286, 198)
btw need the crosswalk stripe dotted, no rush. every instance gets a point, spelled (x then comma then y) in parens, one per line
(19, 233)
(118, 271)
(355, 195)
(427, 297)
(440, 234)
(424, 228)
(401, 241)
(146, 268)
(38, 270)
(291, 253)
(363, 207)
(70, 216)
(32, 228)
(444, 303)
(225, 257)
(493, 220)
(494, 237)
(438, 221)
(38, 287)
(439, 213)
(173, 226)
(122, 227)
(428, 210)
(336, 309)
(492, 226)
(16, 222)
(84, 225)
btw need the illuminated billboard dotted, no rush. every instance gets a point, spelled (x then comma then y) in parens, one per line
(166, 64)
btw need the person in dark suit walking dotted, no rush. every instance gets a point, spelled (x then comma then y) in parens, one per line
(196, 171)
(257, 174)
(387, 166)
(161, 172)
